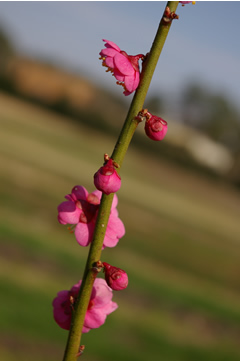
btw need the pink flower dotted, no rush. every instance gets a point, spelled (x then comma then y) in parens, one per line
(124, 67)
(187, 2)
(155, 127)
(106, 179)
(81, 210)
(116, 278)
(99, 307)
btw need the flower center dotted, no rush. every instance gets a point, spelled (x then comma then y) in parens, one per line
(88, 210)
(69, 303)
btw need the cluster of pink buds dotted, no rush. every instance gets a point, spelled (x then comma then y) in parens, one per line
(106, 179)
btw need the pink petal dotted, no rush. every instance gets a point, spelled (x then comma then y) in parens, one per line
(108, 308)
(119, 76)
(111, 44)
(94, 318)
(123, 64)
(80, 192)
(109, 52)
(103, 293)
(131, 82)
(97, 316)
(85, 329)
(94, 198)
(64, 321)
(114, 212)
(115, 231)
(110, 242)
(112, 306)
(137, 79)
(115, 227)
(69, 197)
(109, 62)
(76, 287)
(98, 194)
(84, 233)
(60, 317)
(61, 297)
(68, 213)
(115, 202)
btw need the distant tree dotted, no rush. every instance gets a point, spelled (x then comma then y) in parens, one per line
(155, 104)
(6, 52)
(213, 114)
(6, 47)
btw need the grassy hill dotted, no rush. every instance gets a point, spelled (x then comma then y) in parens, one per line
(181, 249)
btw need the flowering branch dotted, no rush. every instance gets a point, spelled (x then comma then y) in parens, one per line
(149, 66)
(132, 120)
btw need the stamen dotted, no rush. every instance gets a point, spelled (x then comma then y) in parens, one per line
(71, 228)
(122, 84)
(108, 68)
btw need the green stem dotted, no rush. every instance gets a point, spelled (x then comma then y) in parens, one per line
(118, 155)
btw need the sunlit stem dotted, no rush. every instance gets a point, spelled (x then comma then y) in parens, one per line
(129, 127)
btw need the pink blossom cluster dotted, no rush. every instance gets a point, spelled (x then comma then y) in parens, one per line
(100, 305)
(81, 209)
(124, 67)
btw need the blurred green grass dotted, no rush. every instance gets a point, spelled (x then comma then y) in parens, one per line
(181, 249)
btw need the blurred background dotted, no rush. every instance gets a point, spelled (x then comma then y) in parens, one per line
(179, 200)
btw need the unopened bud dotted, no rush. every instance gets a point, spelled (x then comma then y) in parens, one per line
(106, 179)
(155, 127)
(115, 277)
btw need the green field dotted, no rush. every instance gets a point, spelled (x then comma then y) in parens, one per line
(181, 249)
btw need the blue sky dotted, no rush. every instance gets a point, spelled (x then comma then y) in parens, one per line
(203, 44)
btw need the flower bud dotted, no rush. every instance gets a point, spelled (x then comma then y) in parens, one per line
(115, 277)
(155, 127)
(106, 179)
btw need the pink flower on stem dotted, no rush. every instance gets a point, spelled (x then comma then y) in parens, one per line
(155, 127)
(187, 2)
(106, 179)
(116, 278)
(100, 305)
(80, 210)
(124, 67)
